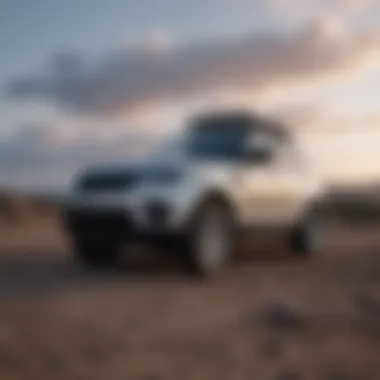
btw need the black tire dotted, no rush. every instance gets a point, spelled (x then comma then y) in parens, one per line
(305, 238)
(94, 256)
(207, 262)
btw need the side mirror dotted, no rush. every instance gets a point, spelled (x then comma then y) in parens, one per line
(260, 155)
(258, 151)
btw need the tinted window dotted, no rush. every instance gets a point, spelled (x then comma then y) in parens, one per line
(218, 138)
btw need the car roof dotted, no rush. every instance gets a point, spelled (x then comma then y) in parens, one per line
(251, 120)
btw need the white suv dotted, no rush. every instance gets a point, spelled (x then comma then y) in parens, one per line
(230, 174)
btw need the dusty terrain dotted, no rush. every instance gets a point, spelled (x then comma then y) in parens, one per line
(268, 318)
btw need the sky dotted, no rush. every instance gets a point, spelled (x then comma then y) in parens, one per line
(91, 81)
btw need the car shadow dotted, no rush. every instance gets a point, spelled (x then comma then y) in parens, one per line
(44, 272)
(41, 272)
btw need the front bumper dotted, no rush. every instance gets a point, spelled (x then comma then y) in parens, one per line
(120, 225)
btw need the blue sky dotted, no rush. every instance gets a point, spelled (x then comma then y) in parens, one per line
(80, 77)
(32, 30)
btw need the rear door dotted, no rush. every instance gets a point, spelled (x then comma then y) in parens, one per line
(289, 184)
(273, 191)
(258, 185)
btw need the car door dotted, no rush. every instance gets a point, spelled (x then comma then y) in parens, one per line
(272, 190)
(288, 184)
(257, 185)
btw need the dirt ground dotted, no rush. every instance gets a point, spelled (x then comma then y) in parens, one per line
(270, 317)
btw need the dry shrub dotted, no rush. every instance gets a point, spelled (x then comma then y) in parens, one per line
(7, 209)
(15, 209)
(42, 208)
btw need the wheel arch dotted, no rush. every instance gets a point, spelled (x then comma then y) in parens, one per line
(216, 195)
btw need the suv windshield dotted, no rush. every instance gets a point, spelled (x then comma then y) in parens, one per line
(217, 139)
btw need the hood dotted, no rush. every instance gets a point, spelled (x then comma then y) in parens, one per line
(121, 176)
(108, 178)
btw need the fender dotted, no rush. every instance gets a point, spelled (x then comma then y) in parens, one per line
(214, 194)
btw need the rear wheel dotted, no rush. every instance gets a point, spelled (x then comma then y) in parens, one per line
(306, 238)
(211, 240)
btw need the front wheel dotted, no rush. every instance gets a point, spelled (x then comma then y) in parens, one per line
(211, 241)
(306, 238)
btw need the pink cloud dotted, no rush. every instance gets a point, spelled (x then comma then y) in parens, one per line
(129, 80)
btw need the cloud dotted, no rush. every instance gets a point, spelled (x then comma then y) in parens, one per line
(322, 120)
(302, 117)
(35, 144)
(41, 156)
(157, 40)
(129, 79)
(30, 141)
(307, 8)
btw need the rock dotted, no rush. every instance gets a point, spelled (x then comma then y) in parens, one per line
(94, 353)
(271, 348)
(279, 316)
(55, 362)
(367, 304)
(337, 374)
